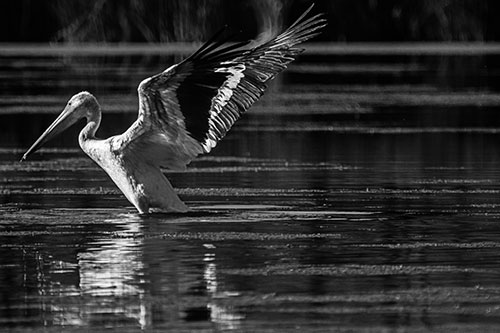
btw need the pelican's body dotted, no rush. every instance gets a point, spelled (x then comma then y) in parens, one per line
(183, 112)
(143, 184)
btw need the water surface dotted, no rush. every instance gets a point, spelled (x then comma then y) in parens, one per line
(360, 194)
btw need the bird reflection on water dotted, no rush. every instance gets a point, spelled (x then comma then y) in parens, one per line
(123, 280)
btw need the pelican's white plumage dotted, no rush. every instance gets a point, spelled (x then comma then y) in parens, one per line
(183, 111)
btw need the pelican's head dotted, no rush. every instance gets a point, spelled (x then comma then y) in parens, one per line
(81, 105)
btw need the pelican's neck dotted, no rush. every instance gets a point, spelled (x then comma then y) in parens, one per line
(93, 115)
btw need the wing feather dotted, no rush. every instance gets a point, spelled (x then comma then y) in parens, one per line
(188, 108)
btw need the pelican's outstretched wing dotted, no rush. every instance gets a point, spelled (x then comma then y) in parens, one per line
(185, 110)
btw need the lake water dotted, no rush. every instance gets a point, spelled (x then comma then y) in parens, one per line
(361, 194)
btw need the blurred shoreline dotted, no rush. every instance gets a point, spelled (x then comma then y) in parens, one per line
(180, 48)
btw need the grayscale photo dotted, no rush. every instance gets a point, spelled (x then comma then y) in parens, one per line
(249, 166)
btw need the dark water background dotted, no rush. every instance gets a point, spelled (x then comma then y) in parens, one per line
(360, 194)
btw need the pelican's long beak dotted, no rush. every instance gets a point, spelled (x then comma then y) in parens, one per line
(67, 118)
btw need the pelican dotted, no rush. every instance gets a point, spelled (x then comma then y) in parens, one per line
(184, 111)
